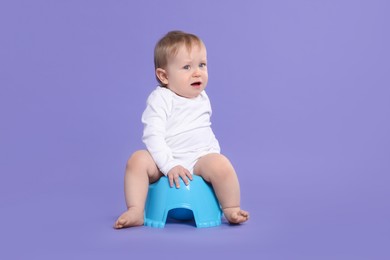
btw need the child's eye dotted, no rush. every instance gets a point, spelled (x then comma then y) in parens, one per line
(202, 65)
(186, 67)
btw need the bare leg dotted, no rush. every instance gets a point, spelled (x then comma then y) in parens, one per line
(140, 171)
(217, 169)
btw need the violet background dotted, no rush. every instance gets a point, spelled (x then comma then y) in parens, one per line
(300, 93)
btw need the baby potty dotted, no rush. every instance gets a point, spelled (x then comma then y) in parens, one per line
(197, 200)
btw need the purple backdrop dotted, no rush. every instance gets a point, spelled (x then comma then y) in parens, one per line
(300, 92)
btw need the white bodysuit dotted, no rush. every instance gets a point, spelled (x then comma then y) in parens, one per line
(177, 130)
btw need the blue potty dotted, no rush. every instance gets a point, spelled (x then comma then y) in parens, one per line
(197, 200)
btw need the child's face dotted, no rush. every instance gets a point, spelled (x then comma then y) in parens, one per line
(186, 73)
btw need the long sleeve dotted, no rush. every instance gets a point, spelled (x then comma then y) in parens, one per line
(154, 118)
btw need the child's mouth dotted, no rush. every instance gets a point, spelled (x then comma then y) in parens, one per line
(196, 84)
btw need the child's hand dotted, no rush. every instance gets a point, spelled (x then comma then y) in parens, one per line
(175, 173)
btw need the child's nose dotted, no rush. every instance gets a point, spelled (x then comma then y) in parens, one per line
(196, 72)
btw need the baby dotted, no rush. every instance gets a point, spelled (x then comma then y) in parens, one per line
(178, 134)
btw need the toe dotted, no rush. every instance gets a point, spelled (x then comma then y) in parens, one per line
(120, 223)
(117, 225)
(244, 213)
(239, 217)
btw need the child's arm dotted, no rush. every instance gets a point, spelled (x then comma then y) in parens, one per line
(154, 119)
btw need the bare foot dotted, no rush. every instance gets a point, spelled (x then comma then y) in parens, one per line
(130, 218)
(235, 215)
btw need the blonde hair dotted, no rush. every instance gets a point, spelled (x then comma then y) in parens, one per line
(169, 45)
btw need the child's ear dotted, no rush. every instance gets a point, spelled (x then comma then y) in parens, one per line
(162, 75)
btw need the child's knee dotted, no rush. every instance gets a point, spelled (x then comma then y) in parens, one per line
(142, 162)
(221, 163)
(217, 166)
(138, 158)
